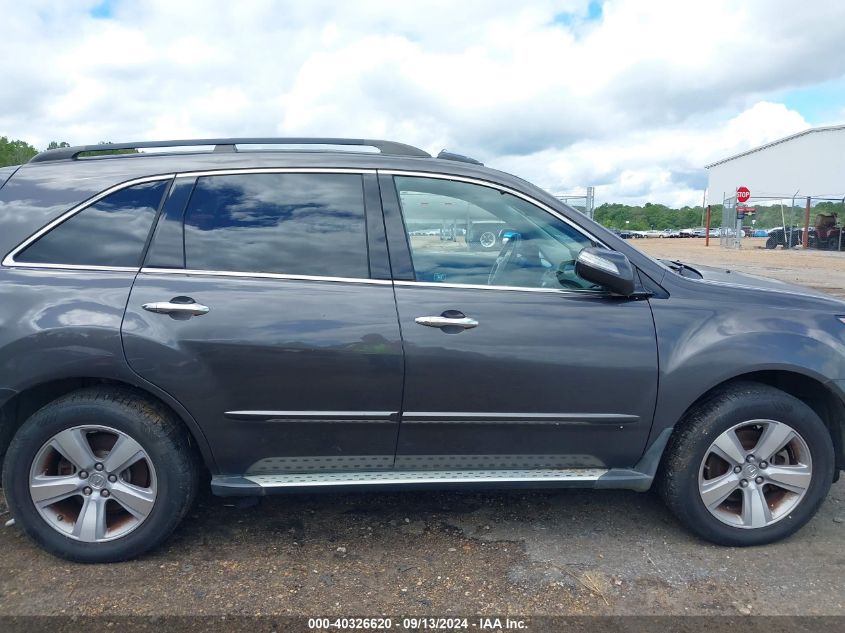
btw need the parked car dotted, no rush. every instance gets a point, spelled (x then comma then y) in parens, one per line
(624, 233)
(265, 321)
(687, 233)
(670, 233)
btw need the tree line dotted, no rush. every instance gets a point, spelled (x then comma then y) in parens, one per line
(16, 152)
(659, 217)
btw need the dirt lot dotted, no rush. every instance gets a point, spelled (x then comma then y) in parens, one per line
(568, 552)
(823, 270)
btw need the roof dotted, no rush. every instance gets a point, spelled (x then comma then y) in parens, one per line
(812, 130)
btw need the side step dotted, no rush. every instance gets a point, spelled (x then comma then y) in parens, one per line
(403, 479)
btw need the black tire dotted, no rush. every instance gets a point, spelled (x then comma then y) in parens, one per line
(772, 243)
(162, 437)
(678, 477)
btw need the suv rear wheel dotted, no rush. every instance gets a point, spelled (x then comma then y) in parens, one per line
(99, 475)
(749, 466)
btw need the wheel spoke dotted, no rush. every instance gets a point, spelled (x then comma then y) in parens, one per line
(715, 491)
(792, 478)
(46, 490)
(73, 444)
(755, 508)
(137, 501)
(123, 454)
(91, 523)
(728, 447)
(775, 436)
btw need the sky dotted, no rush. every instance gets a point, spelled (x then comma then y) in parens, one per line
(633, 97)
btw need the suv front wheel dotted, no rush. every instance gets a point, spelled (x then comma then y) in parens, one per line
(99, 475)
(750, 465)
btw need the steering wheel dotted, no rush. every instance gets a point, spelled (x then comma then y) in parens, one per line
(503, 260)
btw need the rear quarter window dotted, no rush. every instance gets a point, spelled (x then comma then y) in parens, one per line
(111, 232)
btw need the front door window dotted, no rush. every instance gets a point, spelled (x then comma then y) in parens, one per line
(467, 234)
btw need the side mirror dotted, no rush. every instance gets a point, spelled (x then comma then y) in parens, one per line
(608, 269)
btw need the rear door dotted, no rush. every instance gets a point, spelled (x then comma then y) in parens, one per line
(276, 325)
(511, 360)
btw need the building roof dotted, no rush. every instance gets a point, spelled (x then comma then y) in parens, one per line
(812, 130)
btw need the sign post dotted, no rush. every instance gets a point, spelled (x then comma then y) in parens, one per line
(743, 195)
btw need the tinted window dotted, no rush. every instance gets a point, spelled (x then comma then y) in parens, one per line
(111, 232)
(462, 233)
(295, 224)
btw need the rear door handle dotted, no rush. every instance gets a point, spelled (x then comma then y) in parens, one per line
(169, 307)
(453, 320)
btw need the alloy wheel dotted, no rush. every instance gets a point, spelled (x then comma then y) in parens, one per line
(487, 239)
(755, 473)
(93, 483)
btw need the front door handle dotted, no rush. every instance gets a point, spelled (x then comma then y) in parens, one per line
(450, 318)
(188, 308)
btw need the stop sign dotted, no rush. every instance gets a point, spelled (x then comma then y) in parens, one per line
(743, 194)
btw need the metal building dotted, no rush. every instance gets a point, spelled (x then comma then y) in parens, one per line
(810, 163)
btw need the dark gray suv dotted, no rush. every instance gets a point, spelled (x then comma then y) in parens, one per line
(283, 319)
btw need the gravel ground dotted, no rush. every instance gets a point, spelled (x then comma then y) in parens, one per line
(538, 553)
(823, 270)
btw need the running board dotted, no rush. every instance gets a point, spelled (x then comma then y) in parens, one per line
(403, 479)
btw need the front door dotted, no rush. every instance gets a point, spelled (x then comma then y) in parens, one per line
(511, 360)
(276, 328)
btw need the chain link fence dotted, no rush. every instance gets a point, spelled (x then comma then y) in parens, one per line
(814, 222)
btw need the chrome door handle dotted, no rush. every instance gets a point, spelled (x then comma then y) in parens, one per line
(441, 321)
(168, 307)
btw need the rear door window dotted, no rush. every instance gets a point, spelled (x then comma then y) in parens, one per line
(111, 232)
(293, 224)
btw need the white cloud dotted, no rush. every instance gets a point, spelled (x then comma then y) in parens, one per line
(634, 103)
(659, 164)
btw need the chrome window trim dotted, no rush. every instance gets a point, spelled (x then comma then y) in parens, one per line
(586, 292)
(235, 273)
(72, 267)
(9, 260)
(276, 170)
(495, 185)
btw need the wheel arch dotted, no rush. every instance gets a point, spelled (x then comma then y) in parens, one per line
(19, 407)
(824, 399)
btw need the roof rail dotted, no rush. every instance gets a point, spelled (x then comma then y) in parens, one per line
(458, 157)
(230, 145)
